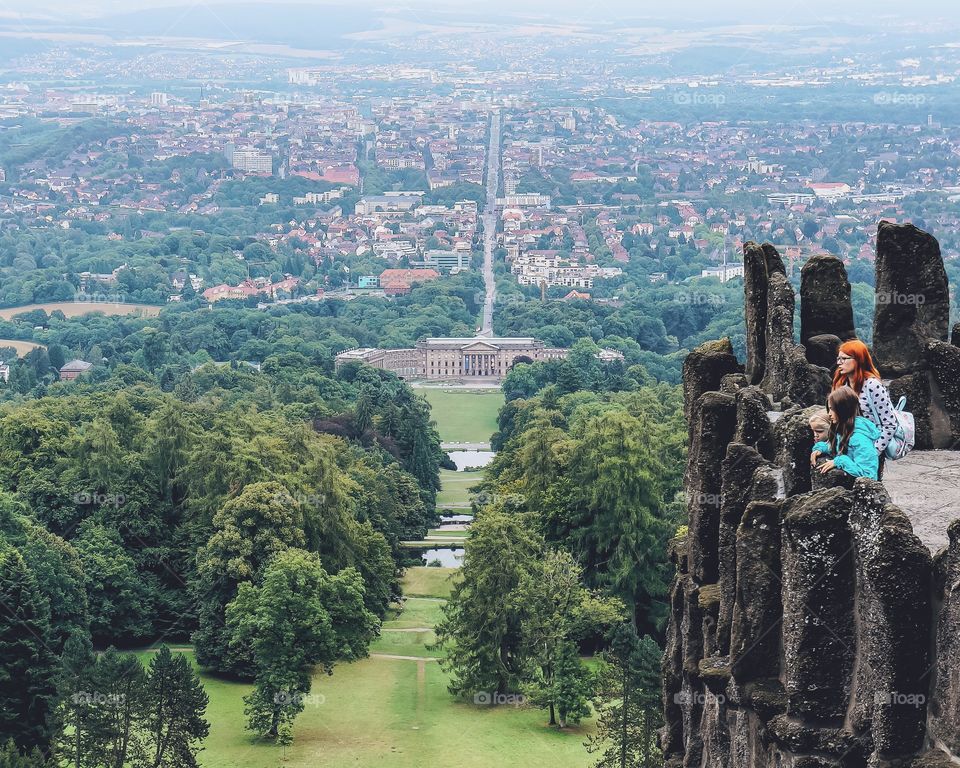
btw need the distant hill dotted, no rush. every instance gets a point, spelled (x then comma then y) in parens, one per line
(319, 26)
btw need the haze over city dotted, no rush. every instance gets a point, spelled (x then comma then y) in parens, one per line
(479, 384)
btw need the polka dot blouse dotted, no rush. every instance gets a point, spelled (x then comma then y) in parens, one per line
(884, 407)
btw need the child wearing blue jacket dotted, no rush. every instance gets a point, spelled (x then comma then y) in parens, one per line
(851, 436)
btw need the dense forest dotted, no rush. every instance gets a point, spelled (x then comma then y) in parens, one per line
(565, 556)
(257, 514)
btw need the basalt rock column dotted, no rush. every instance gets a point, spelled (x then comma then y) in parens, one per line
(894, 579)
(825, 306)
(945, 702)
(779, 335)
(703, 371)
(818, 605)
(912, 298)
(759, 263)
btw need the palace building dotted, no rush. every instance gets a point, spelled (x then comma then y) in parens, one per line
(455, 358)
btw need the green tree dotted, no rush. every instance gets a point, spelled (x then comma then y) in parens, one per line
(480, 631)
(28, 669)
(118, 702)
(627, 701)
(616, 525)
(10, 757)
(174, 721)
(119, 603)
(262, 521)
(75, 684)
(287, 623)
(556, 613)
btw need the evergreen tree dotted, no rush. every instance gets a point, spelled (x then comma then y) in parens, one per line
(174, 721)
(363, 411)
(480, 631)
(119, 602)
(28, 667)
(10, 757)
(118, 708)
(627, 701)
(616, 522)
(74, 690)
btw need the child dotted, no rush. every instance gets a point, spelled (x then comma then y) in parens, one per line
(851, 436)
(820, 426)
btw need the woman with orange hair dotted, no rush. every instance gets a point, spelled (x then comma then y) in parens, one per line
(855, 369)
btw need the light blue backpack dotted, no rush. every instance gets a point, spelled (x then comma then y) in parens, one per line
(906, 434)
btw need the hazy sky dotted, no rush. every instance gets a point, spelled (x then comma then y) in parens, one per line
(730, 11)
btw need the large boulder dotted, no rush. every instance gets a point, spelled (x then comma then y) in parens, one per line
(737, 471)
(825, 306)
(822, 350)
(806, 384)
(912, 297)
(703, 371)
(753, 424)
(671, 741)
(794, 441)
(759, 262)
(931, 422)
(779, 335)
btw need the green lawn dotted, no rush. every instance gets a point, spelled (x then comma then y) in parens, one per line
(464, 416)
(454, 488)
(421, 581)
(393, 713)
(443, 533)
(418, 611)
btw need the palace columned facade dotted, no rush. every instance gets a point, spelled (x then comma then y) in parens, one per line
(455, 358)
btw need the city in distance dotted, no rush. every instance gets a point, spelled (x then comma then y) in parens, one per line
(342, 385)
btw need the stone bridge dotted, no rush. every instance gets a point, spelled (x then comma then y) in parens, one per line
(814, 620)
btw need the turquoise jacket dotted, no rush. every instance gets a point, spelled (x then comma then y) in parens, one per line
(861, 458)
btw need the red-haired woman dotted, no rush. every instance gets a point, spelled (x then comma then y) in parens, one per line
(855, 369)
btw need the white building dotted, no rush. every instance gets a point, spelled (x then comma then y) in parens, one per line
(724, 272)
(252, 160)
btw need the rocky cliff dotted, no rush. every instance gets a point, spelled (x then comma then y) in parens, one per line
(810, 627)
